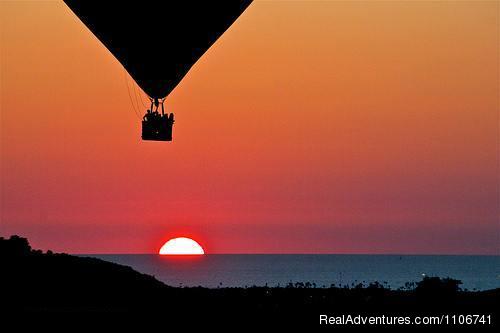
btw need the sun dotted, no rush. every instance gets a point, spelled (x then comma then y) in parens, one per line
(181, 246)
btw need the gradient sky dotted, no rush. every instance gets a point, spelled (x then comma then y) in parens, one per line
(309, 127)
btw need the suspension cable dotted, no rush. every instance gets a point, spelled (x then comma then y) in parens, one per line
(138, 115)
(138, 96)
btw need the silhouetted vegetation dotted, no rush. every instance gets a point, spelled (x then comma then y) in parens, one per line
(36, 282)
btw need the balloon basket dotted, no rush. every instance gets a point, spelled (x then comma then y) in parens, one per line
(157, 130)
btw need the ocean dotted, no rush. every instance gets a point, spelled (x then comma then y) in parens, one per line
(240, 270)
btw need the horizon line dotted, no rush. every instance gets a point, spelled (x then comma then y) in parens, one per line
(287, 254)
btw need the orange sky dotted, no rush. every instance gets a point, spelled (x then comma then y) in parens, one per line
(322, 126)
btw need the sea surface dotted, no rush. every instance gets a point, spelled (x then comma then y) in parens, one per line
(240, 270)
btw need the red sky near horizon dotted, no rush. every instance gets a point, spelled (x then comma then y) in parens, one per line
(308, 127)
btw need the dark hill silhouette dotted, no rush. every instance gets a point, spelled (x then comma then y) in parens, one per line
(34, 283)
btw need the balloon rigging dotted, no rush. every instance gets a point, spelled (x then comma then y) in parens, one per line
(157, 43)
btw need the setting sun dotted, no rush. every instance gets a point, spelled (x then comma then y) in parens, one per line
(181, 246)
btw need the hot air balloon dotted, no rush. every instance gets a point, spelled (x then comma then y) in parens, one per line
(157, 42)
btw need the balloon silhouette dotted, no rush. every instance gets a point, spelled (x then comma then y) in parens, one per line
(158, 41)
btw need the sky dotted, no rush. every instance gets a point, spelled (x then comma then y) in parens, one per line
(308, 127)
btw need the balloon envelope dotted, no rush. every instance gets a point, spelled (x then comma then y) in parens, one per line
(158, 42)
